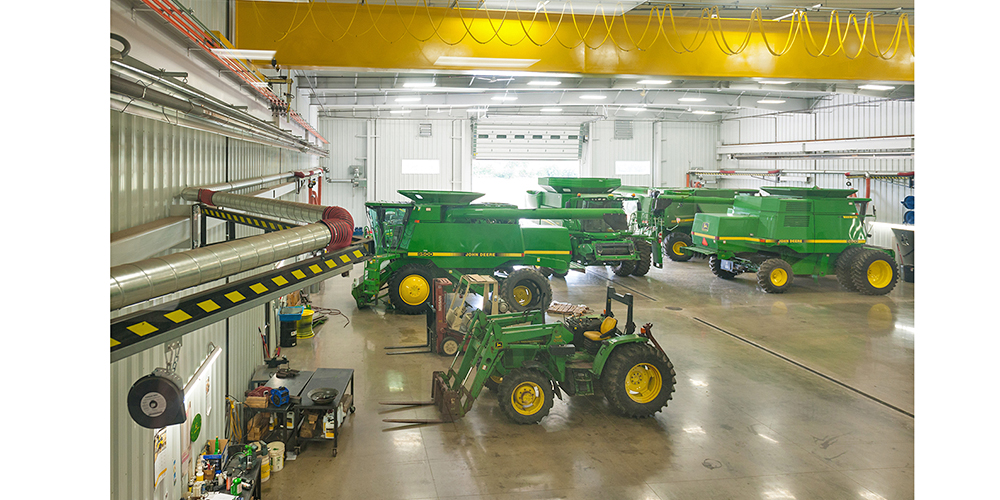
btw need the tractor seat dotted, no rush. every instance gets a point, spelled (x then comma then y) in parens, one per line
(607, 330)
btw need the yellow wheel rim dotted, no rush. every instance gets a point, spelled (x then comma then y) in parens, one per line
(414, 290)
(527, 398)
(643, 383)
(522, 295)
(779, 277)
(678, 248)
(496, 379)
(879, 274)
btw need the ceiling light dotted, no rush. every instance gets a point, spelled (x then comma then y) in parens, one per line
(875, 87)
(484, 62)
(255, 55)
(551, 110)
(415, 85)
(407, 99)
(504, 98)
(635, 109)
(476, 110)
(593, 97)
(653, 82)
(691, 99)
(400, 111)
(703, 112)
(770, 101)
(545, 83)
(774, 82)
(259, 84)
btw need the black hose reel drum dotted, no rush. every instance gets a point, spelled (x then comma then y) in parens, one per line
(157, 400)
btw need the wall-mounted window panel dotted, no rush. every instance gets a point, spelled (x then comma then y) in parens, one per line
(632, 167)
(421, 166)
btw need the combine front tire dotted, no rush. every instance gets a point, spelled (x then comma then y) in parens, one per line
(774, 275)
(874, 273)
(526, 289)
(645, 258)
(638, 380)
(674, 247)
(525, 396)
(410, 288)
(715, 264)
(623, 267)
(843, 267)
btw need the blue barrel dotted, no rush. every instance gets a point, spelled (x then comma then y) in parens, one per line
(908, 217)
(908, 202)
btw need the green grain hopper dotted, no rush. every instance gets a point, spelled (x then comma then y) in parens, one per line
(795, 231)
(597, 242)
(441, 234)
(667, 214)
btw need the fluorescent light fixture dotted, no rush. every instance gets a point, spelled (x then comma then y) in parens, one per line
(259, 84)
(419, 85)
(774, 82)
(484, 62)
(551, 110)
(691, 99)
(504, 98)
(875, 87)
(545, 83)
(703, 112)
(653, 82)
(637, 110)
(407, 99)
(400, 111)
(770, 101)
(255, 55)
(593, 97)
(476, 110)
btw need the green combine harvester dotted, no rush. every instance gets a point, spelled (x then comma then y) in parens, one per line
(597, 242)
(795, 231)
(667, 214)
(441, 234)
(527, 363)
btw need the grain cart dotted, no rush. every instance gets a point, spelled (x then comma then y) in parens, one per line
(535, 362)
(440, 234)
(667, 214)
(804, 231)
(597, 242)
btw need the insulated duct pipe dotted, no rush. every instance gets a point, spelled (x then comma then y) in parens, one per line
(256, 181)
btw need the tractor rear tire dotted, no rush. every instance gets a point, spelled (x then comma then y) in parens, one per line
(410, 288)
(843, 267)
(673, 244)
(525, 396)
(874, 272)
(638, 380)
(526, 289)
(715, 264)
(645, 258)
(623, 268)
(775, 275)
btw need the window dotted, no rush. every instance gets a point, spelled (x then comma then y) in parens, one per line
(421, 166)
(632, 167)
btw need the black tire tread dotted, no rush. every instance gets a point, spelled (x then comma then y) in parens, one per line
(764, 275)
(715, 264)
(645, 258)
(621, 360)
(512, 380)
(526, 273)
(623, 268)
(859, 272)
(669, 244)
(397, 277)
(842, 267)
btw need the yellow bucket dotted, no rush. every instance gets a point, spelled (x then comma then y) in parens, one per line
(303, 328)
(265, 468)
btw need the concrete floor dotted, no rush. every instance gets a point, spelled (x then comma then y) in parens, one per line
(744, 423)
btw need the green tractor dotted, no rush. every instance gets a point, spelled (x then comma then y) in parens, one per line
(441, 234)
(597, 242)
(796, 231)
(667, 214)
(528, 363)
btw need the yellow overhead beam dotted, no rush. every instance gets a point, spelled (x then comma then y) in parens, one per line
(391, 37)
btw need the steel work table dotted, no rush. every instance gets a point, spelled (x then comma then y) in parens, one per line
(295, 386)
(334, 378)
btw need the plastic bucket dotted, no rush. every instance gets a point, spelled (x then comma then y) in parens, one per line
(277, 451)
(265, 468)
(303, 327)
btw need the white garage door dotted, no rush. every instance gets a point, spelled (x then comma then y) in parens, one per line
(525, 141)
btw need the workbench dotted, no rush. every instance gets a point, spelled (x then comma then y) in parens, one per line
(295, 386)
(332, 378)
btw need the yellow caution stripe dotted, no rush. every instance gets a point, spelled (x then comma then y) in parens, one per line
(766, 240)
(547, 252)
(461, 254)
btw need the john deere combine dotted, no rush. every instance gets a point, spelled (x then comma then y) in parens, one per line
(597, 242)
(528, 363)
(439, 234)
(667, 214)
(795, 231)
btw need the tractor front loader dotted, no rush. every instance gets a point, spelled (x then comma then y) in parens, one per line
(528, 363)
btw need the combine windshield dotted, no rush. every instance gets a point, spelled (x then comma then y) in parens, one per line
(602, 225)
(388, 224)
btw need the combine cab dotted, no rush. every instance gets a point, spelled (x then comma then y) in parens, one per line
(597, 242)
(795, 231)
(441, 234)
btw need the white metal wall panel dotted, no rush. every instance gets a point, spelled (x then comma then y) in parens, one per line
(686, 146)
(211, 13)
(606, 150)
(526, 141)
(348, 147)
(397, 140)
